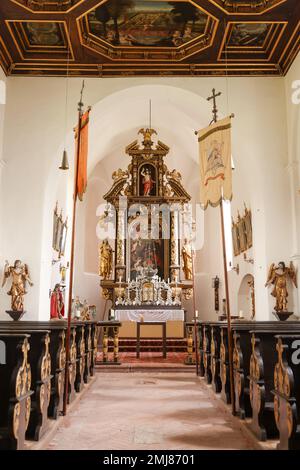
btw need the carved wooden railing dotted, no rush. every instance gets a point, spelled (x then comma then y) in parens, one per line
(206, 352)
(224, 366)
(40, 361)
(72, 365)
(190, 335)
(80, 356)
(15, 391)
(215, 344)
(201, 370)
(287, 392)
(88, 352)
(110, 330)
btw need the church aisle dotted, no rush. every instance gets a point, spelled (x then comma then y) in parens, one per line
(148, 411)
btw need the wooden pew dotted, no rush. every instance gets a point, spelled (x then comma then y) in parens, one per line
(262, 364)
(58, 357)
(201, 370)
(206, 344)
(215, 346)
(224, 365)
(40, 362)
(80, 355)
(287, 391)
(15, 390)
(95, 339)
(88, 351)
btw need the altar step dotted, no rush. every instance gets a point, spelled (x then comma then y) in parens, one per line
(150, 345)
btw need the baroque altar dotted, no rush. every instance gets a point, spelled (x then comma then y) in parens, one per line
(147, 264)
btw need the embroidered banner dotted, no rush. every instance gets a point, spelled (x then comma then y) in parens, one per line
(215, 163)
(83, 154)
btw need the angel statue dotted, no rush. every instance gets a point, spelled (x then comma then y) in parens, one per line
(105, 259)
(187, 257)
(278, 276)
(20, 276)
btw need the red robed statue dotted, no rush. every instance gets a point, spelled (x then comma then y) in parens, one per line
(147, 181)
(57, 306)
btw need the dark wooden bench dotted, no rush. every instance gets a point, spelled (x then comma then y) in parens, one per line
(15, 390)
(206, 344)
(287, 391)
(58, 357)
(262, 364)
(80, 355)
(201, 370)
(215, 363)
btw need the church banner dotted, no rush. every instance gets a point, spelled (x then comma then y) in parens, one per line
(83, 154)
(215, 163)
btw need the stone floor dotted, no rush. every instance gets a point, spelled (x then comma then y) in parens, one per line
(149, 411)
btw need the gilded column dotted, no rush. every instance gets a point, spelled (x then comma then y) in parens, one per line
(121, 238)
(174, 235)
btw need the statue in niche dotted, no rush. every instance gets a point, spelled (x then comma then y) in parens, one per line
(57, 304)
(187, 258)
(19, 274)
(278, 276)
(147, 181)
(106, 259)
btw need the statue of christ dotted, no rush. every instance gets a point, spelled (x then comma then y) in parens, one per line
(148, 182)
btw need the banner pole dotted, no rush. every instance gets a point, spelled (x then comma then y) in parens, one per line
(195, 319)
(68, 336)
(229, 335)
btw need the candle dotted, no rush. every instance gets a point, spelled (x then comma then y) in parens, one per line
(196, 313)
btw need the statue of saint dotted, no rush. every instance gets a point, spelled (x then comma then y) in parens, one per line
(85, 314)
(20, 276)
(57, 304)
(147, 181)
(278, 276)
(106, 258)
(187, 258)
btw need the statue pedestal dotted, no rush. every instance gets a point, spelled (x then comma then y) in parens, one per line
(282, 316)
(15, 314)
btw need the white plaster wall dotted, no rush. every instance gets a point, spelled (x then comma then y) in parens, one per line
(292, 169)
(34, 139)
(2, 161)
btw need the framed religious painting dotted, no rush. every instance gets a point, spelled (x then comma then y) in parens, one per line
(59, 233)
(242, 234)
(63, 238)
(235, 239)
(146, 253)
(248, 227)
(147, 180)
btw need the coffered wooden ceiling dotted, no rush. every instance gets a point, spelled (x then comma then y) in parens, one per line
(148, 37)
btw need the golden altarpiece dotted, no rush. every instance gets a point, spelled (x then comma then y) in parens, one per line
(148, 275)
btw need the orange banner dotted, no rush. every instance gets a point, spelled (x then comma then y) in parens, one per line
(83, 154)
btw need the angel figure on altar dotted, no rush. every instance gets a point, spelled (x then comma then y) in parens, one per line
(278, 276)
(106, 258)
(19, 274)
(147, 181)
(187, 258)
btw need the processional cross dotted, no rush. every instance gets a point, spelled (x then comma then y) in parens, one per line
(215, 109)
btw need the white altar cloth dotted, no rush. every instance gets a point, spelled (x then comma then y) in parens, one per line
(149, 315)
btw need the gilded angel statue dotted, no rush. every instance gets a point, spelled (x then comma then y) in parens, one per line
(278, 276)
(105, 259)
(19, 275)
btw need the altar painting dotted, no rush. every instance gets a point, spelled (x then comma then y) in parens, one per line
(146, 253)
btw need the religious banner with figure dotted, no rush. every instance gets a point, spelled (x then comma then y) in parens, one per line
(215, 163)
(82, 137)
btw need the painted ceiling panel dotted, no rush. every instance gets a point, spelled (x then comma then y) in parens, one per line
(148, 37)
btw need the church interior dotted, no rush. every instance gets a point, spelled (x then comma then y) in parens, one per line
(149, 225)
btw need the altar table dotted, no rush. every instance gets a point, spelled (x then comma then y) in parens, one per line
(149, 315)
(164, 335)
